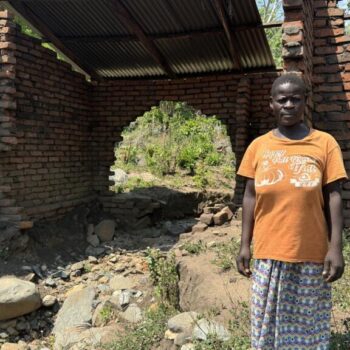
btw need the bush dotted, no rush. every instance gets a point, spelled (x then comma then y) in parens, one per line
(173, 138)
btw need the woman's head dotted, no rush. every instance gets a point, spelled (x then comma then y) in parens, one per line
(287, 101)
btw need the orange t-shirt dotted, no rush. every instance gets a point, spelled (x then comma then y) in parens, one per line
(289, 175)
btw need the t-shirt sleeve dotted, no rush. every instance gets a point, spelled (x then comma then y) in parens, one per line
(247, 167)
(334, 168)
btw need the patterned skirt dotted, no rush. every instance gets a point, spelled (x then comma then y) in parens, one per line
(291, 306)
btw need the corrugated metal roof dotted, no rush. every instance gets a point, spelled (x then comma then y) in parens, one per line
(94, 32)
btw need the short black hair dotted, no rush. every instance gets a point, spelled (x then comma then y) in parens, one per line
(291, 78)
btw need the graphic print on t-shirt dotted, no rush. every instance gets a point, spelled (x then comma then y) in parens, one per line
(276, 165)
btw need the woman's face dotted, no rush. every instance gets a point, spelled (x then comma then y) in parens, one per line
(288, 104)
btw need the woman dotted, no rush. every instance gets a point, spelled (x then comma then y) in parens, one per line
(292, 211)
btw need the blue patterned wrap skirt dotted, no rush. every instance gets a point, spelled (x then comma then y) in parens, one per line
(291, 306)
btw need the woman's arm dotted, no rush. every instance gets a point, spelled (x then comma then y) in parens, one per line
(334, 261)
(244, 255)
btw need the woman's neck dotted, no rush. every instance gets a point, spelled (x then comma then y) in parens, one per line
(295, 132)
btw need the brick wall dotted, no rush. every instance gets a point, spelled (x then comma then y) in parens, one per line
(331, 81)
(49, 169)
(10, 217)
(298, 44)
(118, 102)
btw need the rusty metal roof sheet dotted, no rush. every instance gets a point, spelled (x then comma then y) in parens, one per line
(187, 34)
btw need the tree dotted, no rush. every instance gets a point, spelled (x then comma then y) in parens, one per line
(272, 11)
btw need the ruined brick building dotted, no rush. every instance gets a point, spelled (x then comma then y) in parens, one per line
(58, 130)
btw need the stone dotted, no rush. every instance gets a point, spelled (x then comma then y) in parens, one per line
(90, 230)
(22, 326)
(92, 260)
(97, 318)
(75, 311)
(182, 322)
(49, 300)
(50, 282)
(121, 282)
(120, 177)
(132, 314)
(95, 251)
(93, 240)
(17, 297)
(77, 266)
(13, 346)
(206, 218)
(220, 218)
(182, 338)
(76, 288)
(124, 298)
(169, 335)
(203, 328)
(200, 227)
(105, 230)
(188, 346)
(7, 324)
(229, 213)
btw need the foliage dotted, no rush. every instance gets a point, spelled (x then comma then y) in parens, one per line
(225, 254)
(239, 328)
(106, 313)
(172, 139)
(148, 333)
(194, 247)
(133, 184)
(272, 11)
(164, 276)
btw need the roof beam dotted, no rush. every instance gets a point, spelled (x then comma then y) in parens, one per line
(167, 36)
(220, 9)
(125, 17)
(41, 27)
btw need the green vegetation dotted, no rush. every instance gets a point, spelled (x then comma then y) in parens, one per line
(147, 333)
(341, 288)
(225, 254)
(194, 247)
(172, 141)
(164, 276)
(106, 313)
(239, 329)
(272, 11)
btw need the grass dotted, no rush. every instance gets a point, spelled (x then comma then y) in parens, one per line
(194, 248)
(146, 334)
(225, 254)
(164, 276)
(341, 288)
(106, 313)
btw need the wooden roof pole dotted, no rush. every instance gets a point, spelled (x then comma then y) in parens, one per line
(24, 11)
(125, 17)
(220, 9)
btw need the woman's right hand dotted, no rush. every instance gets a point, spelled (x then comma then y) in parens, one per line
(243, 261)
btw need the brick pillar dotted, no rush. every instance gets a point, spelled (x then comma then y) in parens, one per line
(298, 42)
(241, 136)
(9, 214)
(331, 82)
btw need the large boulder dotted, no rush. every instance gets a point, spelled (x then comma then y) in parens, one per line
(105, 230)
(17, 297)
(74, 317)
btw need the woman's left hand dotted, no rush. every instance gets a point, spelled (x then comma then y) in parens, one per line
(333, 265)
